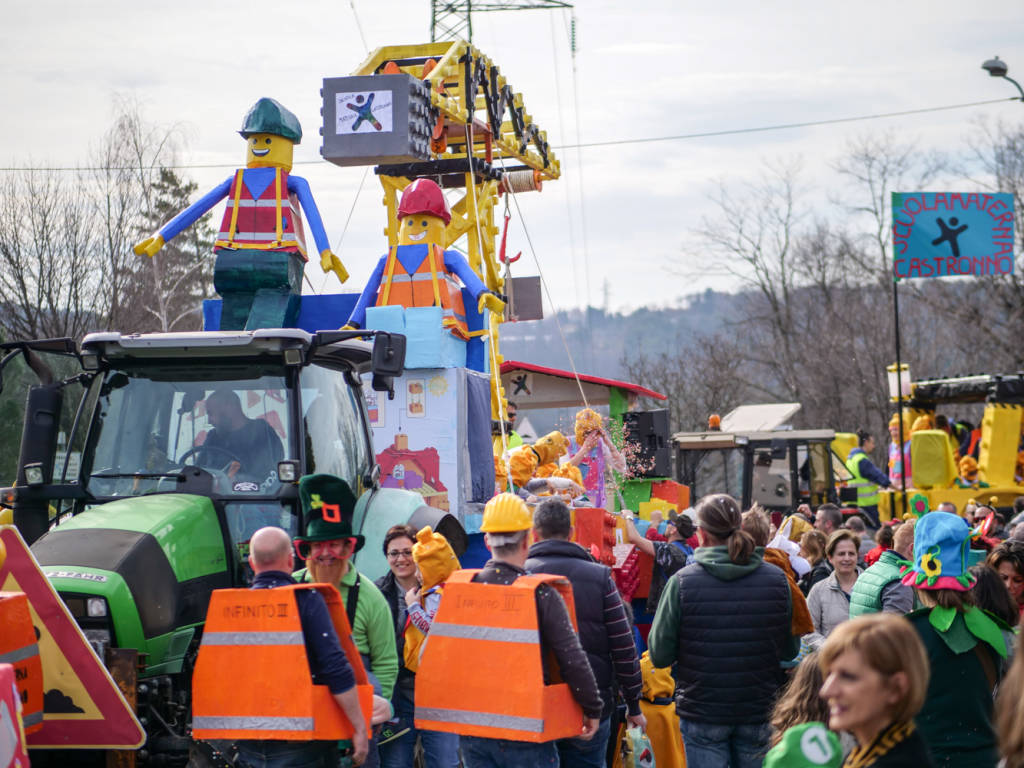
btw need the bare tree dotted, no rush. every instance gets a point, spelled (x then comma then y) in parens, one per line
(127, 166)
(48, 254)
(702, 379)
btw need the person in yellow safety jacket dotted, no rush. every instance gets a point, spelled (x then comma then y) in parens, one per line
(658, 705)
(866, 477)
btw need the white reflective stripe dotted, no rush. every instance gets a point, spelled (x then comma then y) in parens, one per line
(253, 638)
(32, 718)
(470, 632)
(250, 723)
(486, 719)
(260, 236)
(417, 278)
(19, 654)
(246, 203)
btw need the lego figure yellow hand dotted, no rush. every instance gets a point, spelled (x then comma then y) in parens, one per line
(349, 327)
(329, 262)
(491, 302)
(150, 246)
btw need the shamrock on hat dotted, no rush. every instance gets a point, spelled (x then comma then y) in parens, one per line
(328, 506)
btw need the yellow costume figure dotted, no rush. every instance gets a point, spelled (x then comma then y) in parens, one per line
(436, 561)
(659, 707)
(525, 459)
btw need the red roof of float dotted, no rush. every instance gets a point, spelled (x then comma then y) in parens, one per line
(426, 459)
(513, 365)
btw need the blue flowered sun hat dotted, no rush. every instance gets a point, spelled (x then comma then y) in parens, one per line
(941, 553)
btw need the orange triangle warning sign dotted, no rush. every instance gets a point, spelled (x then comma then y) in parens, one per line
(82, 706)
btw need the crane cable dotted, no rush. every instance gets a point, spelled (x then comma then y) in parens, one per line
(491, 326)
(547, 292)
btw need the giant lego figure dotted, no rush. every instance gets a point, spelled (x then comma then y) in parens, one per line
(419, 272)
(260, 247)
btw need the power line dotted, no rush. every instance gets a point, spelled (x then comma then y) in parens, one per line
(782, 126)
(588, 145)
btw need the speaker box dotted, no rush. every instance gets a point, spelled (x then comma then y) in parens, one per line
(647, 432)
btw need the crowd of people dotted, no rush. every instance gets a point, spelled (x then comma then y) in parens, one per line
(817, 642)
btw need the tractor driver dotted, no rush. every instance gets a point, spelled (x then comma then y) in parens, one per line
(251, 444)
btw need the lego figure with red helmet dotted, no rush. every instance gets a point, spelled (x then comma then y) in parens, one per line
(419, 272)
(261, 250)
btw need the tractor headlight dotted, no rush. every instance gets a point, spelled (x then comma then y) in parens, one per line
(96, 606)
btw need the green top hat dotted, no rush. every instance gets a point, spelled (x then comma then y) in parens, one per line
(803, 746)
(328, 506)
(268, 116)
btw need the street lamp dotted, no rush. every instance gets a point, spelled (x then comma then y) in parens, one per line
(997, 68)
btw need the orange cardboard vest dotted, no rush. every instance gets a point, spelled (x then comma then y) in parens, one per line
(18, 647)
(429, 286)
(481, 672)
(12, 735)
(252, 677)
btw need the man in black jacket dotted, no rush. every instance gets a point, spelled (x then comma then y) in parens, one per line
(604, 631)
(506, 525)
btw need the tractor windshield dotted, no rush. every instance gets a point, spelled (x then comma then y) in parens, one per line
(150, 423)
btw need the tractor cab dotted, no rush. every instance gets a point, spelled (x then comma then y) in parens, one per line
(756, 457)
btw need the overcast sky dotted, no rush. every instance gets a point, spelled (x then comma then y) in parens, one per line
(643, 69)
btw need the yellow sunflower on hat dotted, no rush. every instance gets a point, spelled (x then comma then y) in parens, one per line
(931, 565)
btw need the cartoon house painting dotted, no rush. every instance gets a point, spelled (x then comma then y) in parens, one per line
(414, 471)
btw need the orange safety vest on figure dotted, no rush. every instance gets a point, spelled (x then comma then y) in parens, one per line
(481, 672)
(18, 647)
(252, 677)
(430, 285)
(269, 222)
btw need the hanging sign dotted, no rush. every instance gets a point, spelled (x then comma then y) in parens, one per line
(949, 234)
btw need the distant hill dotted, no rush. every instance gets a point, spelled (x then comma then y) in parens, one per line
(599, 340)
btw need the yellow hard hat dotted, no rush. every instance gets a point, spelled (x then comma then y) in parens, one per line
(506, 513)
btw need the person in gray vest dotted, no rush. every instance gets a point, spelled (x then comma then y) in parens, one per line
(725, 623)
(866, 477)
(880, 588)
(604, 630)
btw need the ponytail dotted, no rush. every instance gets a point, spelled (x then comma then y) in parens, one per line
(719, 517)
(741, 546)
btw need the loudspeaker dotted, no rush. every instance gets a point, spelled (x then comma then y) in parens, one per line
(647, 432)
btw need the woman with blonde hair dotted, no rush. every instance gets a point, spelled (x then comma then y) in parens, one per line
(876, 677)
(799, 701)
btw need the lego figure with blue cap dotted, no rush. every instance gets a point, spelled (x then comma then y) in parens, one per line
(260, 248)
(419, 272)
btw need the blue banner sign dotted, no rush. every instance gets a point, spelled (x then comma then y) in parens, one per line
(947, 234)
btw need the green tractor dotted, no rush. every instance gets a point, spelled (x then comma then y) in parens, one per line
(149, 502)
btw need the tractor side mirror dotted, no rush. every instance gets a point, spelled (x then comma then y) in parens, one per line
(387, 361)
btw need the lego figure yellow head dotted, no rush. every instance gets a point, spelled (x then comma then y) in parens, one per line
(434, 557)
(423, 214)
(550, 447)
(271, 133)
(587, 421)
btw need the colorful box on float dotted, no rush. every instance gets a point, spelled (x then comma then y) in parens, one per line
(435, 438)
